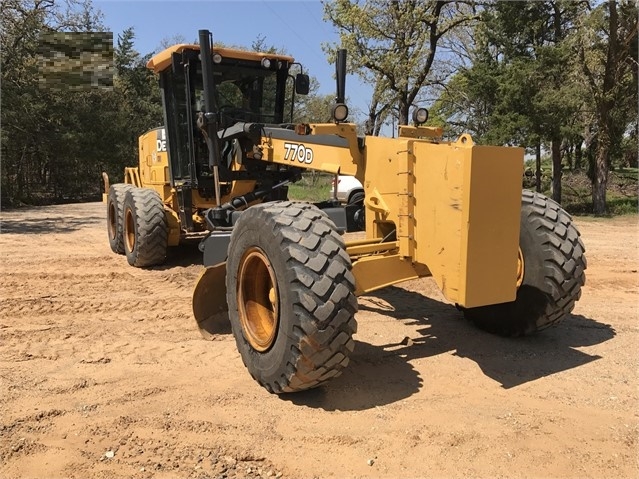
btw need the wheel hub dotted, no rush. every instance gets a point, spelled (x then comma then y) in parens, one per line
(113, 219)
(129, 229)
(257, 299)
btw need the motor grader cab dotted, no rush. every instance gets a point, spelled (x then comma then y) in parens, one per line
(282, 273)
(176, 183)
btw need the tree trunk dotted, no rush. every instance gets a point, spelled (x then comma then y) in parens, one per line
(600, 179)
(556, 169)
(569, 155)
(604, 114)
(19, 175)
(369, 125)
(578, 155)
(600, 184)
(538, 167)
(403, 109)
(378, 128)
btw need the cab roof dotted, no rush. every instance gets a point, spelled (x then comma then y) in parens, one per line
(162, 60)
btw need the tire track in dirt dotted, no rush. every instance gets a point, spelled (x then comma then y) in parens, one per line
(47, 306)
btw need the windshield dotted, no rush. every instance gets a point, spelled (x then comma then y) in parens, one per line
(245, 94)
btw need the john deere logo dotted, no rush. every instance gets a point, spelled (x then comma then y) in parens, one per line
(161, 140)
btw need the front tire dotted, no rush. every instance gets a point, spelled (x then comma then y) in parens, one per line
(145, 228)
(552, 265)
(290, 293)
(359, 216)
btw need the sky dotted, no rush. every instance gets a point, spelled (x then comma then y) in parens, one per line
(296, 26)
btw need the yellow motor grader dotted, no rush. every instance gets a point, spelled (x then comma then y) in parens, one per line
(280, 272)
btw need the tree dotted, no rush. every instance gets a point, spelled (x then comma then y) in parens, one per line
(556, 72)
(519, 88)
(36, 152)
(168, 41)
(467, 103)
(392, 46)
(314, 107)
(138, 86)
(58, 137)
(607, 53)
(535, 36)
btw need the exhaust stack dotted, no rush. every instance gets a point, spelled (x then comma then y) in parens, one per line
(340, 110)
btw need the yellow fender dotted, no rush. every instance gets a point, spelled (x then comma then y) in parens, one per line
(105, 195)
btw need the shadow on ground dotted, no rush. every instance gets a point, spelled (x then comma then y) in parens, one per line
(50, 224)
(182, 255)
(383, 374)
(64, 218)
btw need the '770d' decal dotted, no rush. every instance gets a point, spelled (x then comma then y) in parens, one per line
(299, 152)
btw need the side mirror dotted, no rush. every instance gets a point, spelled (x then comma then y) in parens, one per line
(302, 84)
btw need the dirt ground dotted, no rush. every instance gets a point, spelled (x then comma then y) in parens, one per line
(104, 374)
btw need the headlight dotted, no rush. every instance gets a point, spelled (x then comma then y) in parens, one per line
(266, 63)
(420, 115)
(340, 112)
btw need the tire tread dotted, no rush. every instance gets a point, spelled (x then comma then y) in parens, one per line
(117, 193)
(548, 295)
(322, 286)
(565, 264)
(152, 229)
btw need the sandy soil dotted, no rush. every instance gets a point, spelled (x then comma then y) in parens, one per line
(104, 374)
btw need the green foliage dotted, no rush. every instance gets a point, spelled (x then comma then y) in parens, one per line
(56, 141)
(313, 187)
(623, 191)
(468, 102)
(140, 100)
(392, 46)
(517, 90)
(557, 75)
(37, 150)
(313, 108)
(606, 45)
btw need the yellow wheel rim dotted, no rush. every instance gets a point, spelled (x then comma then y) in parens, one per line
(520, 268)
(113, 221)
(258, 299)
(129, 229)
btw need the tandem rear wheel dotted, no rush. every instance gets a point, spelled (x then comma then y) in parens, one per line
(145, 229)
(115, 216)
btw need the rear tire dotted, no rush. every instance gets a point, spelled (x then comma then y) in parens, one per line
(115, 215)
(290, 293)
(553, 272)
(145, 228)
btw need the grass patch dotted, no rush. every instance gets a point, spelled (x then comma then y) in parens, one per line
(313, 187)
(623, 206)
(628, 173)
(622, 195)
(617, 206)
